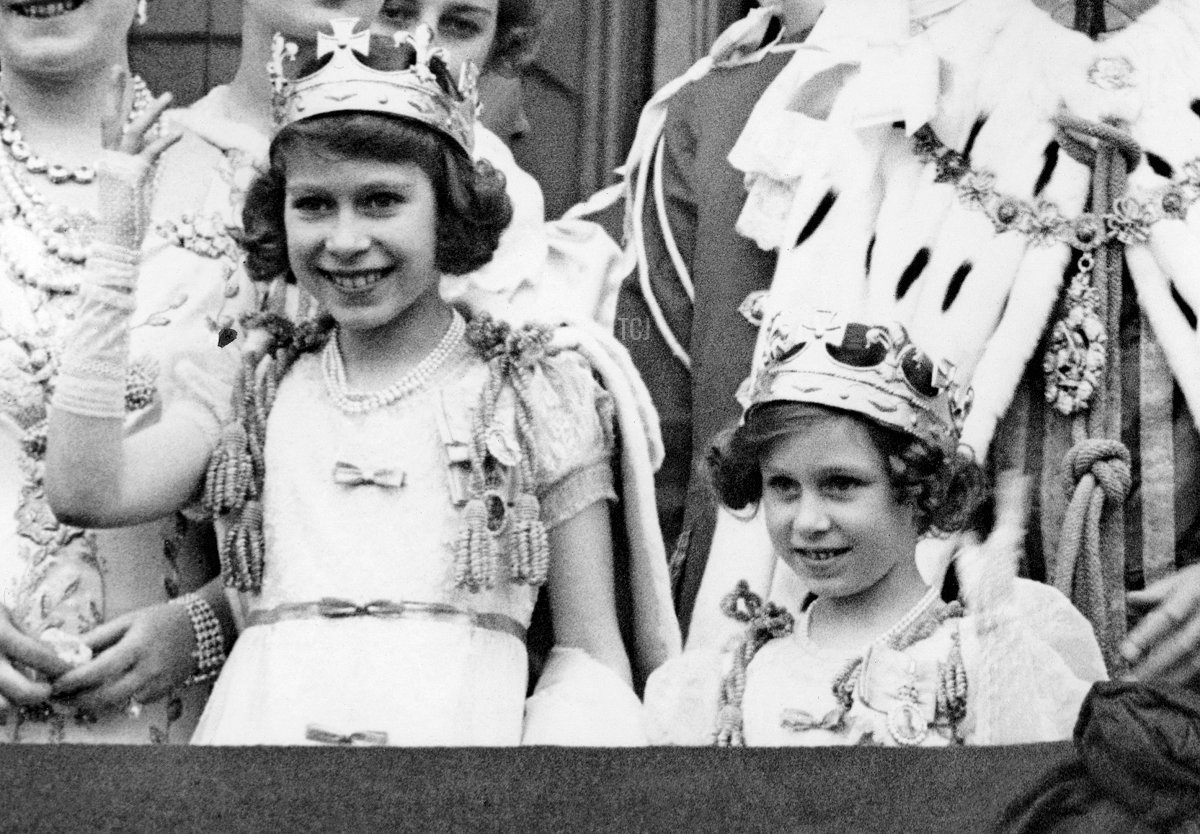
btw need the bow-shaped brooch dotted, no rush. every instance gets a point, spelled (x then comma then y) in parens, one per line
(367, 738)
(347, 474)
(798, 720)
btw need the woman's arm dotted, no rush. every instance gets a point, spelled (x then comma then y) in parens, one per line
(582, 596)
(94, 477)
(584, 696)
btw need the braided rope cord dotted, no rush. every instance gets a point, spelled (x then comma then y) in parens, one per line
(234, 481)
(1095, 472)
(233, 484)
(764, 622)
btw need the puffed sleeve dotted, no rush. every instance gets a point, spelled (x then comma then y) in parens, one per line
(198, 388)
(573, 436)
(1023, 687)
(1030, 657)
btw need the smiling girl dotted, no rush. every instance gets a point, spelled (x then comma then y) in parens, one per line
(848, 448)
(397, 482)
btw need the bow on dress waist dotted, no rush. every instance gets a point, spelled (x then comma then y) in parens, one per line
(347, 474)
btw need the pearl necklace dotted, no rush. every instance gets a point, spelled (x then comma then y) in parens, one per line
(900, 626)
(360, 402)
(64, 233)
(19, 150)
(915, 613)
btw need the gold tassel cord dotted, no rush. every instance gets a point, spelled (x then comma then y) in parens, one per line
(234, 480)
(510, 354)
(764, 622)
(529, 541)
(1090, 559)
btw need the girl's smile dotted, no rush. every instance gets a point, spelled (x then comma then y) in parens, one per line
(356, 281)
(361, 239)
(832, 512)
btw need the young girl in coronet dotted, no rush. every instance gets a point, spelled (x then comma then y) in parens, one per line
(396, 482)
(848, 447)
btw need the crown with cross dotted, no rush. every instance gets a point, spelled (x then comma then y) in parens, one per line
(414, 82)
(875, 370)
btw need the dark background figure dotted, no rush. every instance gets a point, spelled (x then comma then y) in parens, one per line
(703, 196)
(1137, 768)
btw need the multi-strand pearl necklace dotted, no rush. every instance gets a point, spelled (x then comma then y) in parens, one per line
(64, 234)
(19, 150)
(356, 402)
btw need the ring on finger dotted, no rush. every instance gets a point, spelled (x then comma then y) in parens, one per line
(134, 708)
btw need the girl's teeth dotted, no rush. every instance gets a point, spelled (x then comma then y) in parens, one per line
(357, 281)
(821, 555)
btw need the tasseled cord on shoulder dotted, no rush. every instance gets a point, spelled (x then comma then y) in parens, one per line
(764, 622)
(234, 482)
(511, 355)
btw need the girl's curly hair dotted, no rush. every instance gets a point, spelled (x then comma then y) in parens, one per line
(473, 208)
(946, 489)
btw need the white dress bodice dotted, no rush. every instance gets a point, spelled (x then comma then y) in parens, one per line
(410, 680)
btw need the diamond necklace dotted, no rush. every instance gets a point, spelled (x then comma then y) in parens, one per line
(21, 153)
(64, 234)
(359, 402)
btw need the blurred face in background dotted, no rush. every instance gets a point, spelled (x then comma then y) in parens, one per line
(465, 29)
(303, 18)
(503, 106)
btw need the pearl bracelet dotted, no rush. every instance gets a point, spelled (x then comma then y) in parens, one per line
(210, 638)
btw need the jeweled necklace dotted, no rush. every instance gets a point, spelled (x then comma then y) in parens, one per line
(913, 627)
(21, 153)
(360, 402)
(63, 233)
(900, 626)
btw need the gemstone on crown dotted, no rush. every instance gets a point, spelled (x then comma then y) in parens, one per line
(344, 83)
(800, 363)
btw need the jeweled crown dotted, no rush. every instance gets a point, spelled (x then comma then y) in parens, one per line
(871, 369)
(412, 82)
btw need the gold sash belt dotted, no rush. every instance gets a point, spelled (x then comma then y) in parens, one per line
(340, 608)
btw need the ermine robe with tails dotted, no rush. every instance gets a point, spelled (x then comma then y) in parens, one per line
(944, 178)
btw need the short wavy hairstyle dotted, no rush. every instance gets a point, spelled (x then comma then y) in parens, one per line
(473, 208)
(945, 489)
(518, 29)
